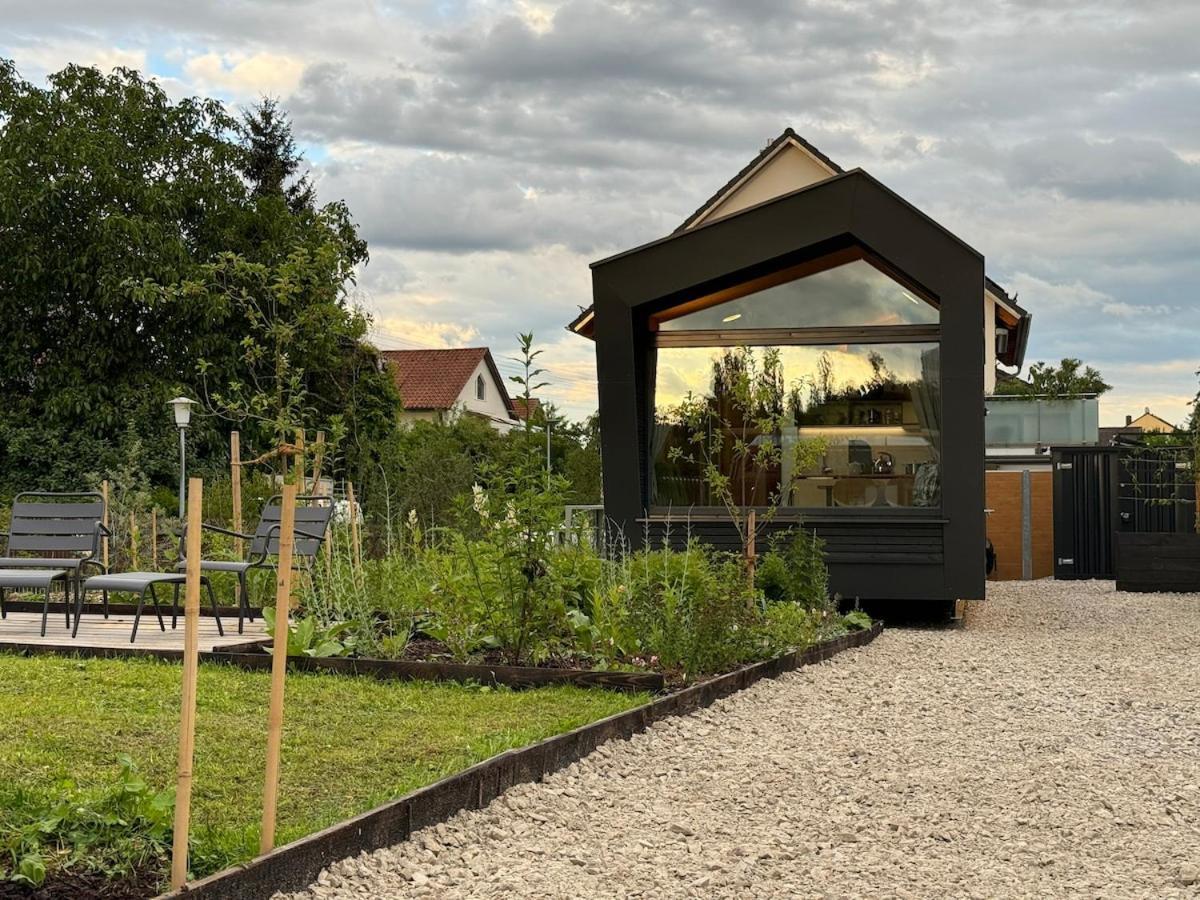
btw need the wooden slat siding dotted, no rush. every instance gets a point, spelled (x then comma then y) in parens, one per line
(28, 510)
(1004, 523)
(865, 543)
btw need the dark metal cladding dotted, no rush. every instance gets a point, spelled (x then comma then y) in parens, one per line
(942, 558)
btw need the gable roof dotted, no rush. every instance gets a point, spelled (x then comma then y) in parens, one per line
(1149, 418)
(518, 407)
(1009, 314)
(433, 379)
(788, 137)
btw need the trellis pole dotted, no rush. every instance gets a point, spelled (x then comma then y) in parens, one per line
(283, 600)
(235, 487)
(318, 462)
(191, 665)
(355, 545)
(104, 539)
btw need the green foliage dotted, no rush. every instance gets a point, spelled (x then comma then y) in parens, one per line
(794, 570)
(858, 620)
(1070, 378)
(308, 637)
(141, 235)
(122, 828)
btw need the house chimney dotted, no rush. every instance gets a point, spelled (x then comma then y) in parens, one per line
(1129, 420)
(1147, 410)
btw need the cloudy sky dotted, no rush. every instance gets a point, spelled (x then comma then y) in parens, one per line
(491, 149)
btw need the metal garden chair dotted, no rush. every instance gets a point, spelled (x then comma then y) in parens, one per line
(52, 538)
(312, 522)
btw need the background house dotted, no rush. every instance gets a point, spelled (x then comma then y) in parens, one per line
(436, 385)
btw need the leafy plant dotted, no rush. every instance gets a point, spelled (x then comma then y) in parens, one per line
(122, 829)
(307, 637)
(794, 570)
(858, 620)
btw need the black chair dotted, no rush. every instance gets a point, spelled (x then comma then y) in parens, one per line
(313, 514)
(53, 537)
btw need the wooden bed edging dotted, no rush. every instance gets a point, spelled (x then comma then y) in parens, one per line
(384, 669)
(248, 655)
(294, 866)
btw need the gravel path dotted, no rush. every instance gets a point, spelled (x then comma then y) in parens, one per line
(1049, 748)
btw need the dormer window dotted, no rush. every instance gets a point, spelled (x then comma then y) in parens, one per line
(480, 388)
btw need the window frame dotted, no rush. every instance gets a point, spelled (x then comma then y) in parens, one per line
(480, 388)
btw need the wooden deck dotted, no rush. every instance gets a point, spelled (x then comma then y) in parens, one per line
(23, 629)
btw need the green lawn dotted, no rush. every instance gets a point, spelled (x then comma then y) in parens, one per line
(350, 743)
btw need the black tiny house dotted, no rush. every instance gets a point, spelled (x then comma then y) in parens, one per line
(873, 313)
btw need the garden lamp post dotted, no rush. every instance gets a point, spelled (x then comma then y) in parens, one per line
(182, 408)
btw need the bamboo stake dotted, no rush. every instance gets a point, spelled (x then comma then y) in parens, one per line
(301, 468)
(283, 601)
(355, 545)
(318, 461)
(154, 538)
(235, 486)
(191, 665)
(104, 540)
(751, 555)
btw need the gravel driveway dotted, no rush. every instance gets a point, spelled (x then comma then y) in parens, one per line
(1050, 748)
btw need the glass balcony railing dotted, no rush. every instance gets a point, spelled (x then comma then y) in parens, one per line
(1028, 421)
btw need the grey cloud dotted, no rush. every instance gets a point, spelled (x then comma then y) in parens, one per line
(1120, 169)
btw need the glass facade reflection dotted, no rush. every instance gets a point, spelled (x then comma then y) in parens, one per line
(873, 410)
(854, 294)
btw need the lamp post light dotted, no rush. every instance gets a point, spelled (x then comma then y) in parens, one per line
(182, 408)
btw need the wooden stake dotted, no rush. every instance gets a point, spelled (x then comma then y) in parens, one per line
(283, 601)
(235, 487)
(191, 666)
(133, 536)
(301, 468)
(154, 538)
(751, 555)
(318, 462)
(104, 540)
(355, 546)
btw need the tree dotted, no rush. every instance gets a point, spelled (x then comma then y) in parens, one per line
(1070, 378)
(137, 234)
(271, 162)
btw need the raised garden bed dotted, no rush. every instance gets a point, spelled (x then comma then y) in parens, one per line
(258, 657)
(296, 865)
(1148, 562)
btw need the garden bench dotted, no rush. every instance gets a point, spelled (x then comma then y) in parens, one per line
(141, 583)
(312, 522)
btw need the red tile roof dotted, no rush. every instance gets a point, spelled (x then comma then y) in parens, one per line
(433, 379)
(518, 406)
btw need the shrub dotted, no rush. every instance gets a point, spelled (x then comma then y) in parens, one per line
(794, 570)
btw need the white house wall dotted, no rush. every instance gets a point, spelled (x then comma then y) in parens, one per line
(790, 169)
(492, 406)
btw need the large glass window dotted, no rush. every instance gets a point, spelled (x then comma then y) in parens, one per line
(851, 425)
(853, 294)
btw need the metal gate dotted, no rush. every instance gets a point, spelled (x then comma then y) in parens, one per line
(1099, 491)
(1086, 510)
